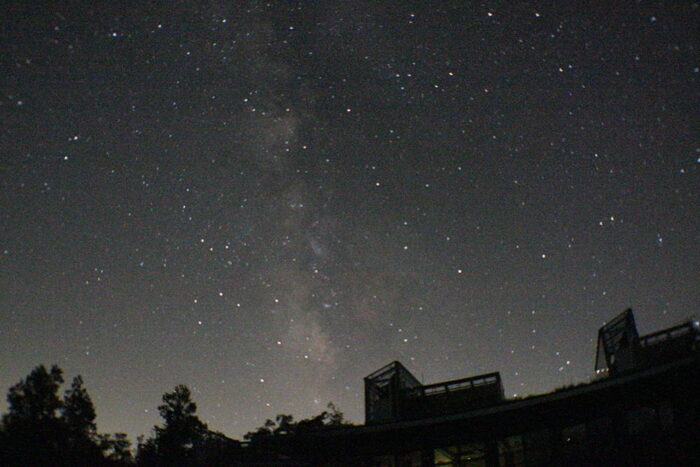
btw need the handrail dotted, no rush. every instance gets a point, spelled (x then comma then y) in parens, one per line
(667, 334)
(455, 385)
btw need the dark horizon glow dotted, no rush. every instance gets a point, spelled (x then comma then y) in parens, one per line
(267, 201)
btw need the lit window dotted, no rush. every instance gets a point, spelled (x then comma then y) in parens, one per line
(471, 455)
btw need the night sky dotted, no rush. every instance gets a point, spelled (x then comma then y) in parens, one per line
(267, 201)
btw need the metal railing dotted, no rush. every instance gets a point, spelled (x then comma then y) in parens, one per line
(668, 334)
(455, 385)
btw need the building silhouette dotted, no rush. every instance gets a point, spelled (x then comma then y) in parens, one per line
(642, 408)
(392, 393)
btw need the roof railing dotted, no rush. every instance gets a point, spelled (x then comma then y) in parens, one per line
(667, 334)
(455, 385)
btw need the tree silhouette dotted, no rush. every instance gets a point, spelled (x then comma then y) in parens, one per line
(116, 448)
(274, 442)
(78, 417)
(184, 439)
(183, 430)
(334, 417)
(35, 399)
(32, 430)
(285, 425)
(79, 412)
(40, 428)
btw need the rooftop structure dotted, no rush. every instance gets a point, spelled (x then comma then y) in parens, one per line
(392, 393)
(385, 391)
(621, 349)
(641, 409)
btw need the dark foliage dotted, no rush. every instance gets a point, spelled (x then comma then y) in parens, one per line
(116, 448)
(274, 442)
(184, 439)
(40, 428)
(285, 424)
